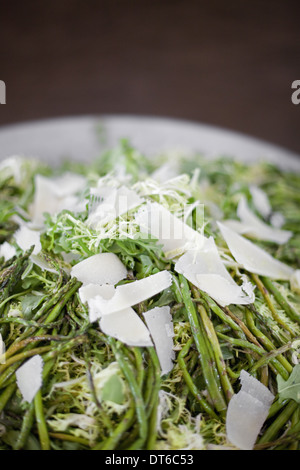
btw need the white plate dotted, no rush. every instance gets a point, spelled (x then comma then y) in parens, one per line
(79, 138)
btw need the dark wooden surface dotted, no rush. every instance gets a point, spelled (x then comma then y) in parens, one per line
(226, 63)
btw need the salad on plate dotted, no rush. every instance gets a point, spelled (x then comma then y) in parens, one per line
(149, 303)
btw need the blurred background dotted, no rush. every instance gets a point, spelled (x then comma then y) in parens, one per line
(230, 64)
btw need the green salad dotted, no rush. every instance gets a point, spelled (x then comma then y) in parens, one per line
(149, 303)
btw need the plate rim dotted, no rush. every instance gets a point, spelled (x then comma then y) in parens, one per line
(167, 120)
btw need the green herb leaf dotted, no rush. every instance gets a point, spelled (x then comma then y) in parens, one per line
(290, 388)
(113, 390)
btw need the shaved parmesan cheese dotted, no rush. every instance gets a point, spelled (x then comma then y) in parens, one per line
(26, 237)
(253, 258)
(237, 226)
(277, 219)
(295, 281)
(253, 226)
(2, 350)
(29, 377)
(115, 202)
(41, 263)
(247, 412)
(207, 260)
(89, 291)
(159, 322)
(166, 171)
(71, 203)
(125, 199)
(174, 235)
(45, 200)
(102, 268)
(7, 251)
(130, 294)
(126, 326)
(205, 269)
(12, 167)
(55, 194)
(248, 287)
(67, 184)
(261, 201)
(222, 291)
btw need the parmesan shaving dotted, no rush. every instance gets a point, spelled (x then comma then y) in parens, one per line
(205, 269)
(277, 219)
(166, 172)
(55, 194)
(130, 294)
(102, 268)
(2, 350)
(253, 258)
(26, 238)
(89, 291)
(159, 322)
(174, 235)
(115, 202)
(68, 184)
(255, 227)
(7, 251)
(12, 167)
(295, 281)
(45, 200)
(41, 263)
(251, 226)
(261, 201)
(247, 412)
(126, 326)
(29, 377)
